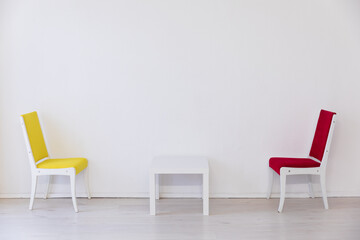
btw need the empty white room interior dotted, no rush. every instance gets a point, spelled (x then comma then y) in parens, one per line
(234, 81)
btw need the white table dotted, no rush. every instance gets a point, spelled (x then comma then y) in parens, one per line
(178, 165)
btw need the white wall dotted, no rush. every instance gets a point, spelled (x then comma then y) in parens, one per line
(122, 81)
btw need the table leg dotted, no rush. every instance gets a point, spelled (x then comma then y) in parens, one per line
(157, 189)
(206, 193)
(152, 193)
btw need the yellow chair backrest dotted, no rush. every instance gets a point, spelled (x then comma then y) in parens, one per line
(35, 135)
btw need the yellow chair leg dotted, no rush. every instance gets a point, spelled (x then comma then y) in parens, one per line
(47, 189)
(73, 191)
(86, 181)
(33, 190)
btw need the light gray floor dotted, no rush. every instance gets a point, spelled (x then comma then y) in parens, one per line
(181, 219)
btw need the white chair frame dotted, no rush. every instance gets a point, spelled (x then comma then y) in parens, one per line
(35, 172)
(320, 171)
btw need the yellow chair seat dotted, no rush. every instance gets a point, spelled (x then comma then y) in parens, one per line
(78, 163)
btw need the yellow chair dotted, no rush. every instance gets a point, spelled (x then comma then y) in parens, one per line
(41, 164)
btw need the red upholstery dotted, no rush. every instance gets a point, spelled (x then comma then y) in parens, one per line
(317, 147)
(278, 162)
(321, 134)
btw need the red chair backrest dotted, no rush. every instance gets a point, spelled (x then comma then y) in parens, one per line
(321, 134)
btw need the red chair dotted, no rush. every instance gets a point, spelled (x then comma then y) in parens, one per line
(314, 164)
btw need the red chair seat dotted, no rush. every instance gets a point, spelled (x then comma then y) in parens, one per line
(278, 162)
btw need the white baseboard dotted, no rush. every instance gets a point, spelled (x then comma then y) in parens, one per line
(180, 195)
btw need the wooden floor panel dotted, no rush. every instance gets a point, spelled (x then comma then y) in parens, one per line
(180, 219)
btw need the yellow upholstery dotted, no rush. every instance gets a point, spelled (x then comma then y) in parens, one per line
(78, 163)
(35, 135)
(39, 151)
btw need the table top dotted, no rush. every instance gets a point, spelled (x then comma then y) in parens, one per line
(177, 164)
